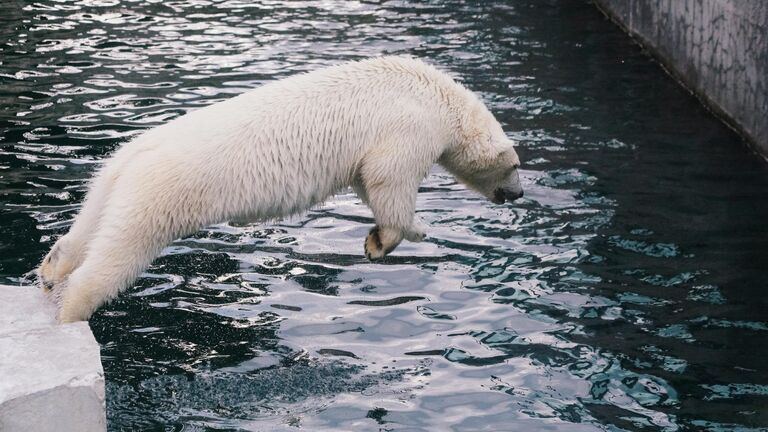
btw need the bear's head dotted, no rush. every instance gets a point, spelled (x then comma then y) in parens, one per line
(483, 158)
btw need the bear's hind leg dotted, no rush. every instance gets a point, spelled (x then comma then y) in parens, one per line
(115, 257)
(69, 250)
(61, 260)
(135, 227)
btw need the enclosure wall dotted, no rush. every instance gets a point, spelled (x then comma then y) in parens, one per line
(718, 48)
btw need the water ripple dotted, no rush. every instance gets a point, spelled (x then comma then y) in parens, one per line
(622, 293)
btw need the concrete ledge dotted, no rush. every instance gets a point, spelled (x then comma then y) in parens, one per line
(51, 377)
(718, 49)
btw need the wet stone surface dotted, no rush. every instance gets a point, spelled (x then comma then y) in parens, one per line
(626, 291)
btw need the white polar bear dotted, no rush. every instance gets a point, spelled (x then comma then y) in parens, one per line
(376, 125)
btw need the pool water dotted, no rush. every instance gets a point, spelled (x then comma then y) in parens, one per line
(626, 291)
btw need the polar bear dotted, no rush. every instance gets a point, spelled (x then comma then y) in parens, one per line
(377, 125)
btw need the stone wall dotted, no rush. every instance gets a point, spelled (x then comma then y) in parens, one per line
(717, 48)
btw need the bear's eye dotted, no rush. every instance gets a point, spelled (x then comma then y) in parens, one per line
(511, 169)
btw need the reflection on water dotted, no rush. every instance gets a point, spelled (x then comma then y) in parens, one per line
(625, 292)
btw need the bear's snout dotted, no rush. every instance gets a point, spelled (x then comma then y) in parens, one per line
(501, 195)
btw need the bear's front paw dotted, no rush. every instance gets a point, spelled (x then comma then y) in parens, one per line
(373, 247)
(417, 231)
(380, 242)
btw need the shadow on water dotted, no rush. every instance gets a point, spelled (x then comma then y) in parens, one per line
(625, 292)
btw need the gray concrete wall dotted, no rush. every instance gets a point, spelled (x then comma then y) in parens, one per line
(51, 377)
(718, 48)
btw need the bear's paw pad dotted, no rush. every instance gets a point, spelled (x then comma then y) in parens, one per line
(374, 248)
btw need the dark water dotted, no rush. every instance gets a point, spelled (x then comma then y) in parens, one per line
(627, 291)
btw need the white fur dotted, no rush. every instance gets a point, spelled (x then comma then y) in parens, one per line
(376, 125)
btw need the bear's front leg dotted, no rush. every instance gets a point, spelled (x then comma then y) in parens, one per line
(393, 203)
(389, 180)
